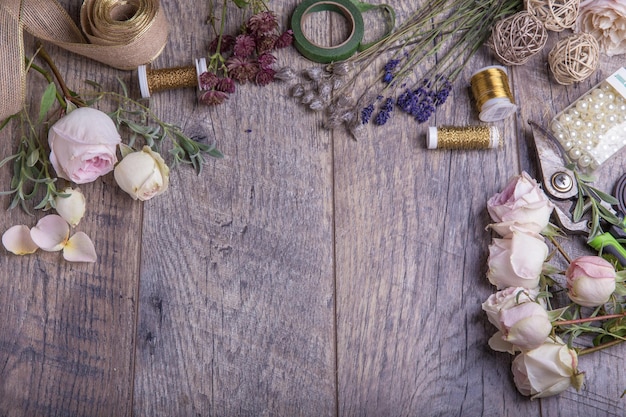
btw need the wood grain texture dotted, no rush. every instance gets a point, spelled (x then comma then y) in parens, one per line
(237, 307)
(67, 334)
(305, 274)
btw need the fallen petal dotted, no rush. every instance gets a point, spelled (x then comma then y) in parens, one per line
(80, 248)
(17, 240)
(50, 233)
(72, 207)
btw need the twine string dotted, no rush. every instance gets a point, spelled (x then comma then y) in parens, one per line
(122, 34)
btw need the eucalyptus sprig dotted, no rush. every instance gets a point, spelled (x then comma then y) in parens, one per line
(31, 165)
(143, 123)
(594, 199)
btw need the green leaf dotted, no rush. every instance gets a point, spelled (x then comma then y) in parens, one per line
(123, 85)
(579, 210)
(33, 158)
(242, 4)
(125, 149)
(605, 197)
(47, 100)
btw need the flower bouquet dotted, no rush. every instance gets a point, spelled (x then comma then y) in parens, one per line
(545, 316)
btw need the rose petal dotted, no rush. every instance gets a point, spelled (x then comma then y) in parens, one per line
(80, 248)
(17, 240)
(50, 233)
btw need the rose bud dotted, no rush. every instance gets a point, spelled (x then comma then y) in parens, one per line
(547, 370)
(523, 203)
(590, 281)
(72, 207)
(83, 145)
(522, 323)
(516, 261)
(142, 174)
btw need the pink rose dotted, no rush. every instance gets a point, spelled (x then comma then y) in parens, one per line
(547, 370)
(523, 203)
(522, 323)
(517, 260)
(605, 20)
(590, 281)
(83, 145)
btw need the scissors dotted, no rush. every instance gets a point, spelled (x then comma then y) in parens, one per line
(560, 184)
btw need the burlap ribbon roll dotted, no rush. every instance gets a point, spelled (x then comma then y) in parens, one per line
(120, 33)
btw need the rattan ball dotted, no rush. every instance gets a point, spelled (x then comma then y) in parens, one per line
(517, 38)
(574, 58)
(556, 15)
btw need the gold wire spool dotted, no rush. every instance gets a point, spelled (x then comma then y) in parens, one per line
(153, 80)
(466, 137)
(490, 88)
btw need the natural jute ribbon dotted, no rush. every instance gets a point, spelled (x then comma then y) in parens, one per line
(120, 33)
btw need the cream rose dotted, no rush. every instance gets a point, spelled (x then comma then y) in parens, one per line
(142, 174)
(83, 145)
(547, 370)
(522, 323)
(590, 281)
(516, 261)
(605, 20)
(523, 203)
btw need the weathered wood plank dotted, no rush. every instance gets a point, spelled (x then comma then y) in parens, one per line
(237, 304)
(67, 332)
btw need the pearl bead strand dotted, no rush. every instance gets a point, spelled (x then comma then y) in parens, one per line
(594, 127)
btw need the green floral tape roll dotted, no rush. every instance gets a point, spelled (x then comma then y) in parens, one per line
(334, 53)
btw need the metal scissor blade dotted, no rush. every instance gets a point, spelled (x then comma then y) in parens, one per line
(558, 181)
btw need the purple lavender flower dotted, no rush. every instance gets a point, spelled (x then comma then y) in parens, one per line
(366, 113)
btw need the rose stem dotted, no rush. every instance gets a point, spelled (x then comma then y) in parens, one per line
(66, 92)
(588, 319)
(600, 347)
(560, 249)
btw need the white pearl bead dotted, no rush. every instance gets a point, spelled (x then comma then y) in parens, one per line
(575, 153)
(567, 145)
(584, 161)
(598, 94)
(582, 106)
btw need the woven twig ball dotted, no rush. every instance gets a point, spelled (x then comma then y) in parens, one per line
(574, 58)
(556, 15)
(518, 37)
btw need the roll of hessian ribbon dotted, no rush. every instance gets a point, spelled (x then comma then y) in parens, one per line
(351, 11)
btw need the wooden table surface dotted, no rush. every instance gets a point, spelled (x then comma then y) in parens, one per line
(304, 274)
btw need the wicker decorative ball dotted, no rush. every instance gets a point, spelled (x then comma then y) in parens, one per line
(556, 15)
(574, 58)
(517, 38)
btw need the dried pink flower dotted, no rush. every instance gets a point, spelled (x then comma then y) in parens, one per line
(212, 97)
(284, 40)
(262, 23)
(265, 76)
(241, 69)
(208, 80)
(244, 45)
(266, 60)
(226, 85)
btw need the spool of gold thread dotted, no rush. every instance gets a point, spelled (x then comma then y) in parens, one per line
(467, 137)
(153, 80)
(490, 88)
